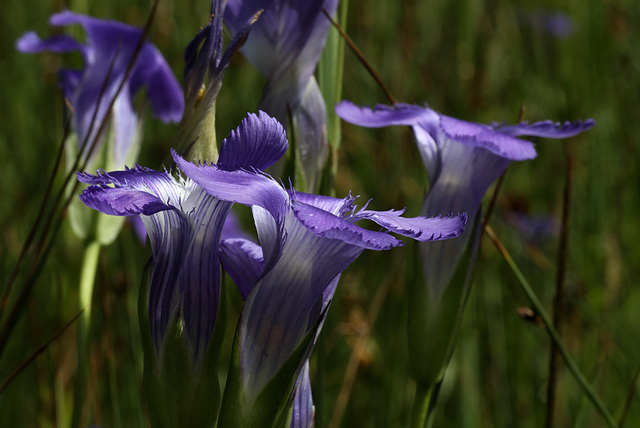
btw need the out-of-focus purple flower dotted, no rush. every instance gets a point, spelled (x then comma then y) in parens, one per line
(288, 280)
(285, 46)
(534, 228)
(462, 159)
(184, 224)
(205, 65)
(110, 48)
(557, 24)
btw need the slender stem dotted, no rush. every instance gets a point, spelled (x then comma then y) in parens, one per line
(87, 281)
(630, 396)
(559, 297)
(88, 277)
(571, 365)
(420, 411)
(362, 59)
(38, 351)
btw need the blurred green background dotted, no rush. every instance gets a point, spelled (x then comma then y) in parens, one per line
(475, 60)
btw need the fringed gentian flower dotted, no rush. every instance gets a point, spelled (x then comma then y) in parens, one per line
(462, 159)
(205, 59)
(185, 316)
(285, 46)
(288, 281)
(110, 49)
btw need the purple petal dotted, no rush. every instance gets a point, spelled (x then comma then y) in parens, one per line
(419, 228)
(69, 81)
(243, 187)
(163, 90)
(159, 184)
(31, 43)
(110, 49)
(244, 262)
(170, 237)
(287, 301)
(138, 228)
(288, 36)
(233, 228)
(122, 202)
(335, 206)
(383, 115)
(327, 225)
(484, 136)
(200, 279)
(548, 129)
(257, 143)
(133, 191)
(303, 410)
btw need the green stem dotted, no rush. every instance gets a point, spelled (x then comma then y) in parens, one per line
(88, 277)
(420, 411)
(573, 368)
(87, 281)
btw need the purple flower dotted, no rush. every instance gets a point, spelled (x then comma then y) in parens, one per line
(287, 281)
(110, 48)
(184, 224)
(462, 159)
(285, 47)
(557, 24)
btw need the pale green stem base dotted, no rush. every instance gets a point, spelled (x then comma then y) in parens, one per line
(85, 293)
(420, 411)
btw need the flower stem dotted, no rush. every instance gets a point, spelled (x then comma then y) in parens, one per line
(87, 281)
(420, 411)
(555, 337)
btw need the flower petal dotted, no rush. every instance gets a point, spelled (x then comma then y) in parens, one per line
(163, 90)
(122, 202)
(287, 301)
(287, 39)
(257, 143)
(243, 187)
(381, 115)
(548, 129)
(484, 136)
(419, 228)
(327, 225)
(244, 262)
(335, 206)
(303, 409)
(200, 279)
(159, 184)
(31, 43)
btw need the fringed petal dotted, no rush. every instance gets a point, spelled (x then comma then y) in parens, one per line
(257, 143)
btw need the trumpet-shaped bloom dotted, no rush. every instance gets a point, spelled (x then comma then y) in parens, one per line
(306, 241)
(462, 159)
(111, 47)
(184, 224)
(285, 47)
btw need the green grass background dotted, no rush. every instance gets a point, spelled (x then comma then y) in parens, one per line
(476, 60)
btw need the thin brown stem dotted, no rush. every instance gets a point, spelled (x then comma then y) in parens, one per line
(39, 351)
(361, 57)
